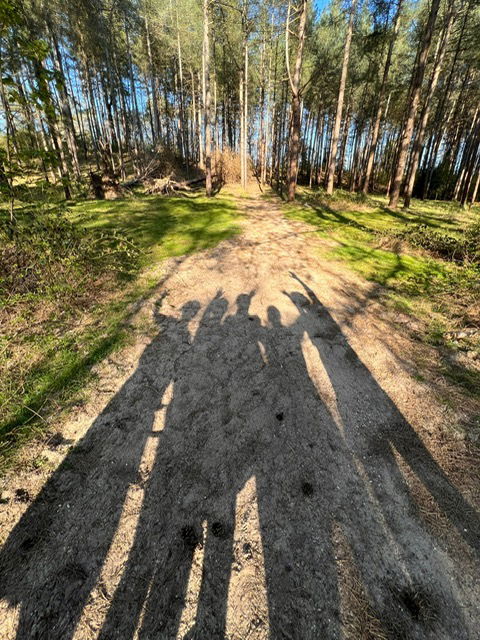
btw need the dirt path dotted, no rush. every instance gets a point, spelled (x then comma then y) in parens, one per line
(260, 465)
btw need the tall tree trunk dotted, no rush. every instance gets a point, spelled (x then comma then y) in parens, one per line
(414, 100)
(50, 115)
(201, 117)
(206, 84)
(418, 144)
(241, 96)
(245, 120)
(153, 84)
(346, 129)
(133, 92)
(66, 112)
(7, 170)
(261, 132)
(476, 186)
(470, 174)
(341, 92)
(381, 95)
(296, 104)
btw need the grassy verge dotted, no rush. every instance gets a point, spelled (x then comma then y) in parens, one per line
(443, 295)
(160, 226)
(52, 337)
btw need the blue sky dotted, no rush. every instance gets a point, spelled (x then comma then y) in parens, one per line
(320, 4)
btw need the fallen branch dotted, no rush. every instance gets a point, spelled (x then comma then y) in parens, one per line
(167, 186)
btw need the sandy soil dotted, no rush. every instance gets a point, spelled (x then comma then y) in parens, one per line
(260, 465)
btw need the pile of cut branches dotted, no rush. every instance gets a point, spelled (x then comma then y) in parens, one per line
(168, 186)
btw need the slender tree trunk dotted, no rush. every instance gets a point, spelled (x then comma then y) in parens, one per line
(66, 112)
(261, 133)
(341, 92)
(50, 116)
(245, 120)
(201, 117)
(153, 85)
(296, 104)
(243, 145)
(381, 95)
(477, 184)
(470, 174)
(7, 171)
(346, 129)
(206, 84)
(133, 92)
(414, 100)
(418, 144)
(468, 162)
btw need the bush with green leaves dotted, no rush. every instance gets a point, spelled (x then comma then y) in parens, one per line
(464, 248)
(45, 253)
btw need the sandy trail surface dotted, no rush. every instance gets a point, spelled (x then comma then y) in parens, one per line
(259, 465)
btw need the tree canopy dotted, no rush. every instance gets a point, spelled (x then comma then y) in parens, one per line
(367, 94)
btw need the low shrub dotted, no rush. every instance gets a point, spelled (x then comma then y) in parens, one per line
(464, 248)
(44, 252)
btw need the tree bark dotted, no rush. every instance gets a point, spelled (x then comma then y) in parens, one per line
(381, 95)
(296, 104)
(418, 144)
(245, 120)
(206, 84)
(414, 100)
(341, 92)
(153, 84)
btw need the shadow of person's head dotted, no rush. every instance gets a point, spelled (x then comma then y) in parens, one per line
(190, 310)
(243, 302)
(274, 317)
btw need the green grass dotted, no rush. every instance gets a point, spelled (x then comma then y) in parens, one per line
(362, 233)
(61, 362)
(163, 227)
(45, 365)
(381, 265)
(371, 214)
(356, 226)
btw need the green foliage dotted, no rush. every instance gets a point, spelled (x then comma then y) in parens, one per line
(162, 227)
(463, 248)
(46, 253)
(405, 273)
(441, 288)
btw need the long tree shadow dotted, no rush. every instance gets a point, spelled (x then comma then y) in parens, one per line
(243, 404)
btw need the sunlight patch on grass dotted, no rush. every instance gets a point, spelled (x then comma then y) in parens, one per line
(384, 267)
(372, 214)
(163, 226)
(57, 365)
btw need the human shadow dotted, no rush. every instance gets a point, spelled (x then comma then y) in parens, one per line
(335, 469)
(187, 486)
(243, 404)
(231, 418)
(53, 557)
(362, 402)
